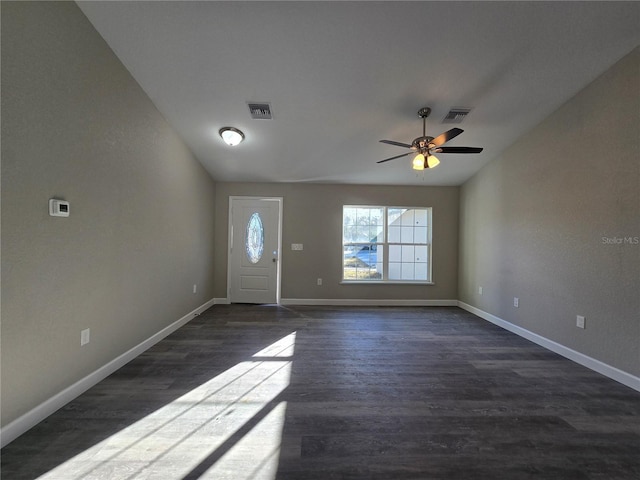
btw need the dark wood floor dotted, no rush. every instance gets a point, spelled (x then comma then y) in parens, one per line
(266, 392)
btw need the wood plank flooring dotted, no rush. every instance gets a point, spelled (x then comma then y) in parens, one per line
(318, 393)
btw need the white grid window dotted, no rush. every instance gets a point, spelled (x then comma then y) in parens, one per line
(386, 244)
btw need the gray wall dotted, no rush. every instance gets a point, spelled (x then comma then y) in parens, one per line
(313, 216)
(76, 126)
(532, 224)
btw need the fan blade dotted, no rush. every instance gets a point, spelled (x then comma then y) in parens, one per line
(446, 136)
(397, 144)
(393, 158)
(458, 150)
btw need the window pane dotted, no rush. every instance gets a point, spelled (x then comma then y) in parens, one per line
(407, 271)
(407, 253)
(420, 235)
(394, 234)
(395, 253)
(362, 216)
(362, 234)
(394, 216)
(360, 262)
(378, 260)
(365, 256)
(406, 235)
(349, 234)
(367, 264)
(349, 262)
(395, 271)
(349, 216)
(421, 217)
(407, 217)
(421, 254)
(421, 271)
(378, 234)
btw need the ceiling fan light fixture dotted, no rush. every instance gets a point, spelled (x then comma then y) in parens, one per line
(231, 136)
(432, 161)
(418, 162)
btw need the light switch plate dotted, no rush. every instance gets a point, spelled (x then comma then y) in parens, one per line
(85, 336)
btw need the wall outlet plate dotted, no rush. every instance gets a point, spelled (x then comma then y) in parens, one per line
(516, 302)
(296, 246)
(580, 321)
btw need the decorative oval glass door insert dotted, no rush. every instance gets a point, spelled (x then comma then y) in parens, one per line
(254, 238)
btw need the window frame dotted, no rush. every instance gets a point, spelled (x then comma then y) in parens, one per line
(385, 244)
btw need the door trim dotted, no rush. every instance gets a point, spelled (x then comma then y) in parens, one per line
(280, 201)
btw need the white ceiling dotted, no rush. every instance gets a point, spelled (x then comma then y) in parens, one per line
(342, 75)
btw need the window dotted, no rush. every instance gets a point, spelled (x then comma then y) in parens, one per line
(254, 238)
(386, 244)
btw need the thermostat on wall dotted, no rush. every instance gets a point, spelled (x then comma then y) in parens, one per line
(58, 208)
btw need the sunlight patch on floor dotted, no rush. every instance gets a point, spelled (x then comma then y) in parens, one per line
(229, 427)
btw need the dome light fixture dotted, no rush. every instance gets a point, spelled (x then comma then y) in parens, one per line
(231, 136)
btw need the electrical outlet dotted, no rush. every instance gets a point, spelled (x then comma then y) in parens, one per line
(296, 246)
(516, 302)
(580, 321)
(479, 290)
(319, 281)
(195, 288)
(85, 336)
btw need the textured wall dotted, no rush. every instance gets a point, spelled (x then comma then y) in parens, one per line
(313, 216)
(76, 126)
(555, 221)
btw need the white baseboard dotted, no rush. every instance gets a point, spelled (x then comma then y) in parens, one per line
(357, 302)
(30, 419)
(613, 373)
(361, 302)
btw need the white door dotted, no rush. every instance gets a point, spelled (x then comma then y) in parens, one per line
(254, 249)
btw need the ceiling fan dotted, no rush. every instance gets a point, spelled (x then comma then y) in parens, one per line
(427, 146)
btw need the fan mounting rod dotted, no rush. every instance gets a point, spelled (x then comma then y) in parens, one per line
(422, 144)
(423, 113)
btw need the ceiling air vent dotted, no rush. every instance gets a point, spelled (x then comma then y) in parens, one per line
(456, 115)
(260, 111)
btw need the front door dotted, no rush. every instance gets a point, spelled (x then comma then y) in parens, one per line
(254, 249)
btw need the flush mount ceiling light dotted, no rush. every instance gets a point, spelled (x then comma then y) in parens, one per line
(231, 136)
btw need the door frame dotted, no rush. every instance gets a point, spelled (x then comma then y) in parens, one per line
(280, 201)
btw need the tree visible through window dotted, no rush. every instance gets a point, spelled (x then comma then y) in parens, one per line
(386, 244)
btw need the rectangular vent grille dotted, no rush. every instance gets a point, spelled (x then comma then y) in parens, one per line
(456, 115)
(260, 111)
